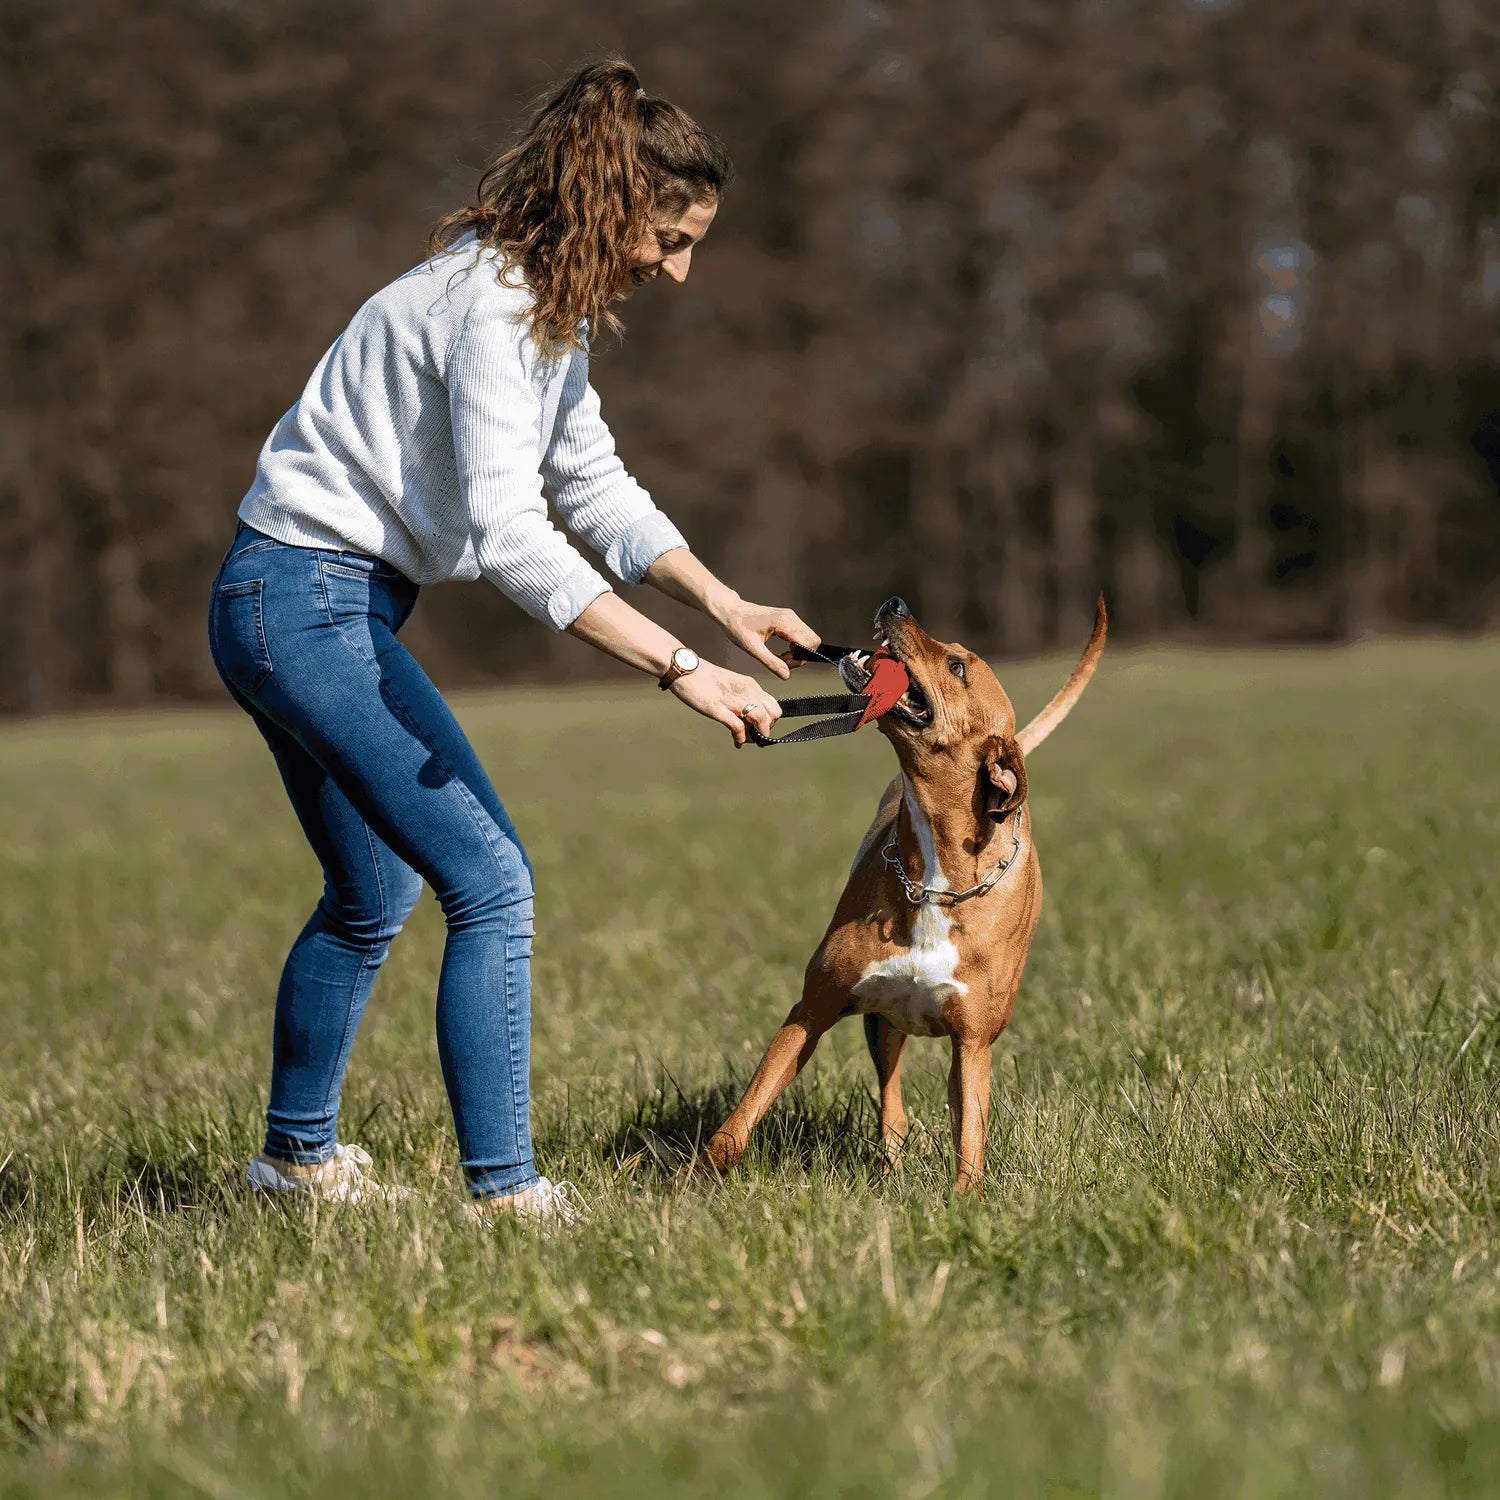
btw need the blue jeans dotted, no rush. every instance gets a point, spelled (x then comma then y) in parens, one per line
(389, 793)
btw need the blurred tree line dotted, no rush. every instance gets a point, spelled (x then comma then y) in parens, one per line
(1192, 301)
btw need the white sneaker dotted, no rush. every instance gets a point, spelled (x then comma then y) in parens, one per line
(341, 1178)
(545, 1202)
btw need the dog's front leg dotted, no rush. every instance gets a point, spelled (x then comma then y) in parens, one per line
(790, 1049)
(969, 1109)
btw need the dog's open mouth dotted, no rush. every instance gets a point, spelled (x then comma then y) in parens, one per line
(912, 706)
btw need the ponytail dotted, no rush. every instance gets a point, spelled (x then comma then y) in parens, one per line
(569, 203)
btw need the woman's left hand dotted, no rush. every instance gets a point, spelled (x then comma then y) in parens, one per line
(750, 626)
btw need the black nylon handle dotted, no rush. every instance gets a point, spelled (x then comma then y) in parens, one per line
(826, 654)
(822, 730)
(828, 703)
(848, 709)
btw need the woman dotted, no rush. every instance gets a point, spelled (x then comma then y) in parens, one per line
(418, 452)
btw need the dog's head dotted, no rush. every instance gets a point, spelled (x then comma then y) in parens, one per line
(955, 726)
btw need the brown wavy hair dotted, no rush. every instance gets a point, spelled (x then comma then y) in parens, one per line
(599, 163)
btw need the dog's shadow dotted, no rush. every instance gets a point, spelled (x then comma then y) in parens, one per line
(810, 1128)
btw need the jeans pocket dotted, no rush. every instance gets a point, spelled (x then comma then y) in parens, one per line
(243, 656)
(360, 565)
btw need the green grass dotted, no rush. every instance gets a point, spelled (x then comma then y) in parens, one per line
(1240, 1235)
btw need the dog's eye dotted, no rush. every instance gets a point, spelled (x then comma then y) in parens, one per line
(956, 666)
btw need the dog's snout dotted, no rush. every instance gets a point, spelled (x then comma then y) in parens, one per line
(894, 608)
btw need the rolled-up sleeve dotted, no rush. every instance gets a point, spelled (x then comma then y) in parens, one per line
(596, 498)
(496, 414)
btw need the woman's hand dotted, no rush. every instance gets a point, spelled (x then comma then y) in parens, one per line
(679, 575)
(724, 696)
(750, 626)
(610, 624)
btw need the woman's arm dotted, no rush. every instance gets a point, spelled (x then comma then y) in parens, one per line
(593, 494)
(600, 502)
(495, 412)
(610, 625)
(679, 575)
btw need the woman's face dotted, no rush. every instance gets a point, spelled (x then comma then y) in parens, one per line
(667, 247)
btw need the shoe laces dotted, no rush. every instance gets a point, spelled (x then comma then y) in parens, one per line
(564, 1201)
(346, 1168)
(344, 1178)
(547, 1202)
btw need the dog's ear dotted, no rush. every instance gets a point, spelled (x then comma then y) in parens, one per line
(1002, 777)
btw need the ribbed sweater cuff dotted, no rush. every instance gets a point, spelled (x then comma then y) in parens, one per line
(640, 544)
(574, 595)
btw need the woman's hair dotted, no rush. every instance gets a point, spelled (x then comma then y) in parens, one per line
(600, 162)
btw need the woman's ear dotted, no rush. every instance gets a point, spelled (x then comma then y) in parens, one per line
(1002, 777)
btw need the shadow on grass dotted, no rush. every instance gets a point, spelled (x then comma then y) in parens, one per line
(17, 1185)
(169, 1187)
(809, 1128)
(181, 1183)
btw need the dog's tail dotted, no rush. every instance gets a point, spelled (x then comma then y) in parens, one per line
(1059, 708)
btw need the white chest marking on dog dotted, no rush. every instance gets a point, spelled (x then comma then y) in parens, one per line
(910, 988)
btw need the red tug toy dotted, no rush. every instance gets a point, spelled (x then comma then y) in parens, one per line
(888, 682)
(883, 689)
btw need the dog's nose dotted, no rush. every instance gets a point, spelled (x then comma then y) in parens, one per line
(894, 608)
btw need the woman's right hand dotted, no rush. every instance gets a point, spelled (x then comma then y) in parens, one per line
(724, 696)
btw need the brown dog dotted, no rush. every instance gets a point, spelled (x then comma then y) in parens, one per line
(931, 933)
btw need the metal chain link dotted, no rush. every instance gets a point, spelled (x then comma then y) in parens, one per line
(917, 893)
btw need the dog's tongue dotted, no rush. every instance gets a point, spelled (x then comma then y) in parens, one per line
(888, 681)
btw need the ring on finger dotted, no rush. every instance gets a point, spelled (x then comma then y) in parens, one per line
(747, 710)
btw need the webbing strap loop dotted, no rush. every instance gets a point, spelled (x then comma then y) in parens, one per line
(847, 709)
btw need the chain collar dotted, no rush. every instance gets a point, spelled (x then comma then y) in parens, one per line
(918, 894)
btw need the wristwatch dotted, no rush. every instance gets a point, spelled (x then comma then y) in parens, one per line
(683, 660)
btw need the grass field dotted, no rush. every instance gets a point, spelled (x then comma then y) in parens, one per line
(1240, 1234)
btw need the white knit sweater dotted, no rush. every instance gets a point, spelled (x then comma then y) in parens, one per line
(427, 432)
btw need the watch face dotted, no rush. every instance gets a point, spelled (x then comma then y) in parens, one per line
(684, 658)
